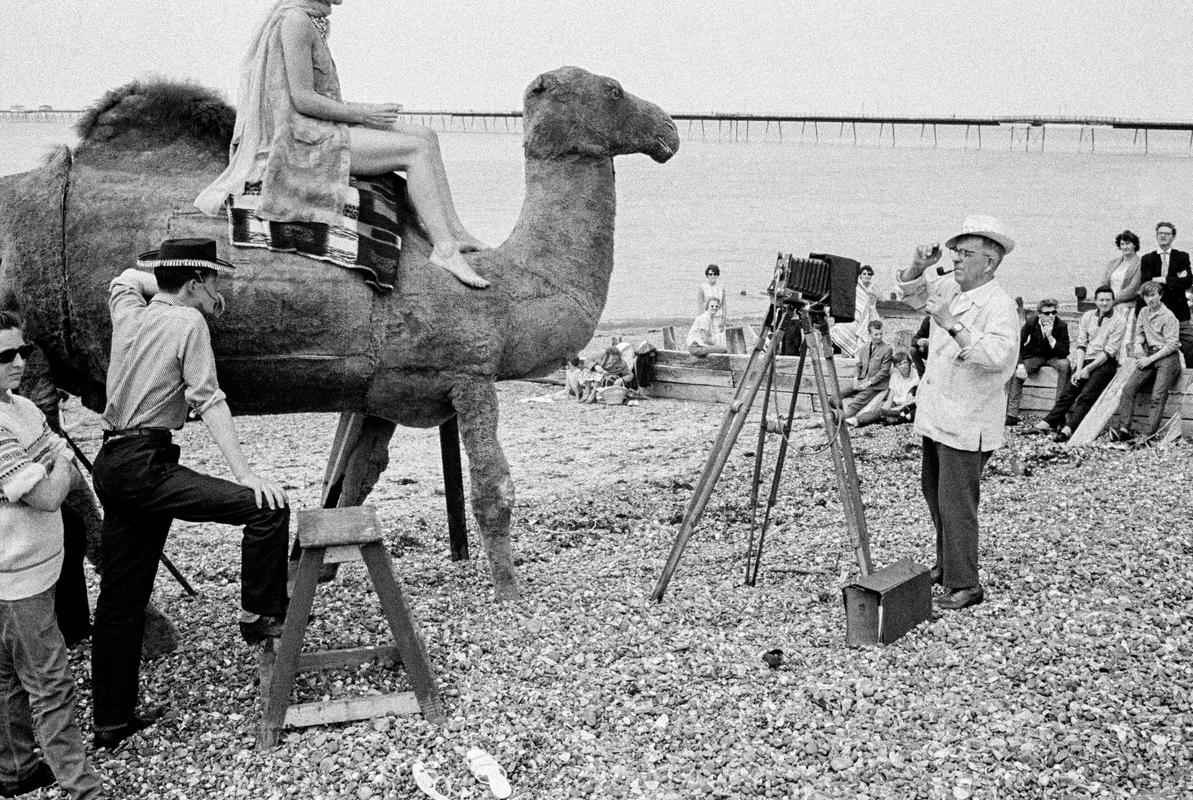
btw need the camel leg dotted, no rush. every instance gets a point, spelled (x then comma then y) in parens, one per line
(492, 488)
(365, 462)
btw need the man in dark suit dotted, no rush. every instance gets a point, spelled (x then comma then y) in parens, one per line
(1044, 339)
(873, 371)
(1170, 267)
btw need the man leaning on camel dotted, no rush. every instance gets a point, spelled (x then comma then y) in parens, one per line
(973, 349)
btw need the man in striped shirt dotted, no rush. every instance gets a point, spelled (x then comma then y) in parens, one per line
(161, 368)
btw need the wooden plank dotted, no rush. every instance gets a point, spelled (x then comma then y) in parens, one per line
(330, 712)
(386, 655)
(341, 553)
(695, 375)
(669, 337)
(325, 527)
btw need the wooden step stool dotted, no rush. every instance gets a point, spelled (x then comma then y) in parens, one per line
(335, 535)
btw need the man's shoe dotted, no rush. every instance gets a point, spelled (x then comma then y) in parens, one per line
(41, 777)
(1040, 427)
(1010, 421)
(262, 628)
(112, 737)
(1060, 436)
(1119, 435)
(937, 575)
(961, 598)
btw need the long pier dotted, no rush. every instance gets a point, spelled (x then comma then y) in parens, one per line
(1026, 132)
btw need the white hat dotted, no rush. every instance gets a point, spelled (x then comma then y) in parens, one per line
(986, 226)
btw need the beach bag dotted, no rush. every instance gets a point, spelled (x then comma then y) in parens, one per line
(642, 370)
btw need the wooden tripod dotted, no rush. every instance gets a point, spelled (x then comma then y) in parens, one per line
(759, 368)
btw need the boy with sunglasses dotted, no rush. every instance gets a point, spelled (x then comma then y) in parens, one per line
(162, 367)
(36, 473)
(1044, 340)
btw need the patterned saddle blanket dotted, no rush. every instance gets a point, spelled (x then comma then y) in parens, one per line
(367, 238)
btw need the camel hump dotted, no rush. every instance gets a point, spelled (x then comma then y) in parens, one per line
(153, 114)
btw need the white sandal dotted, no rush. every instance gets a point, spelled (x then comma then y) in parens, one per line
(486, 770)
(429, 782)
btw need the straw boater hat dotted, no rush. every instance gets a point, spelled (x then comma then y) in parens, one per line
(184, 253)
(987, 227)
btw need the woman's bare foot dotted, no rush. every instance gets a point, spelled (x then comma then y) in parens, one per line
(455, 264)
(467, 243)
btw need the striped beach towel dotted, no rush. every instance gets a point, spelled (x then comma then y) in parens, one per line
(366, 240)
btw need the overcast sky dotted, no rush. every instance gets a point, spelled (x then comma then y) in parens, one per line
(972, 57)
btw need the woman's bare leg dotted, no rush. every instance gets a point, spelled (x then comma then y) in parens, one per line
(376, 152)
(466, 241)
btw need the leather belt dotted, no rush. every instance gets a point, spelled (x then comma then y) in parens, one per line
(131, 433)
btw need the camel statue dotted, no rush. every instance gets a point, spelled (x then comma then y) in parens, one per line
(303, 336)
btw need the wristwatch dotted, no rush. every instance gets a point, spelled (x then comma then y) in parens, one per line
(956, 328)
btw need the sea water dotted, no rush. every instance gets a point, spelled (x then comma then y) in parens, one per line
(736, 202)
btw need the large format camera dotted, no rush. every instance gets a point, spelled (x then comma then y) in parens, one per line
(820, 278)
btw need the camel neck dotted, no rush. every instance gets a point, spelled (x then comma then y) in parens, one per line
(568, 213)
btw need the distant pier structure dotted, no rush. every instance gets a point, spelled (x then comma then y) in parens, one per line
(38, 114)
(1029, 133)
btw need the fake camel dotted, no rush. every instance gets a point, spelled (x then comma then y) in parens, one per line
(302, 336)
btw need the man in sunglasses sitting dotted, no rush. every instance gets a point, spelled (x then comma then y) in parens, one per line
(1044, 341)
(161, 368)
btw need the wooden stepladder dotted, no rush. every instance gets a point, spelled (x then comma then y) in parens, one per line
(336, 535)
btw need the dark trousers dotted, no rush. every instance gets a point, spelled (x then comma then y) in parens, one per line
(1161, 377)
(1076, 401)
(143, 489)
(70, 599)
(951, 481)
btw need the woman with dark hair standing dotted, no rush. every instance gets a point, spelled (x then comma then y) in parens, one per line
(298, 138)
(1123, 276)
(711, 289)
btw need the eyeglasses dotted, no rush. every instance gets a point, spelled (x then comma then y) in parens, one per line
(1051, 313)
(963, 253)
(24, 351)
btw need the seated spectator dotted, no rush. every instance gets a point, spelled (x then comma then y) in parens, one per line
(898, 406)
(586, 382)
(707, 334)
(919, 345)
(1157, 346)
(1044, 339)
(1099, 340)
(873, 371)
(851, 337)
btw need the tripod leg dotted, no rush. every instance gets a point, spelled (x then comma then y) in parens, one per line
(841, 451)
(772, 498)
(759, 449)
(731, 426)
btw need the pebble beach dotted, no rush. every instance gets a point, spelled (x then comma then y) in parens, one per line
(1073, 679)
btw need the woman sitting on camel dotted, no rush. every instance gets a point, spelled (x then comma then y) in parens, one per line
(301, 141)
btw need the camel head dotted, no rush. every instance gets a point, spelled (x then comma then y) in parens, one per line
(570, 111)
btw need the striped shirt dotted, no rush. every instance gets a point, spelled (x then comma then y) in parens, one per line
(30, 540)
(161, 364)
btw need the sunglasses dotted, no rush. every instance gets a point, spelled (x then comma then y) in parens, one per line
(24, 351)
(1051, 313)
